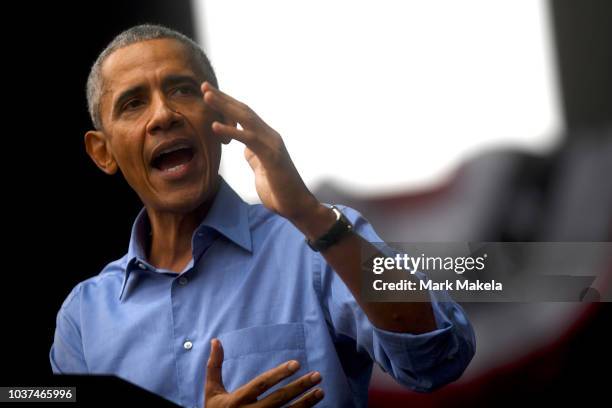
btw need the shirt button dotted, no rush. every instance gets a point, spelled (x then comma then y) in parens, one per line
(183, 280)
(188, 345)
(141, 265)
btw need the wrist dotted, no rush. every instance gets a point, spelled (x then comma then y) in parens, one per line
(315, 220)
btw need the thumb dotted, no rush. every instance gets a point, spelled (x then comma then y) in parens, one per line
(214, 380)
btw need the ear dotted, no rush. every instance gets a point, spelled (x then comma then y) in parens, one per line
(98, 149)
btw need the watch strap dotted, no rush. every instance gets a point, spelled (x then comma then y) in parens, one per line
(340, 228)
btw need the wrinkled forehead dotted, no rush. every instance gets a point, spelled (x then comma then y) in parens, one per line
(144, 60)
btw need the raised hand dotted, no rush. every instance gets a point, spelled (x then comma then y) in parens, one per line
(277, 181)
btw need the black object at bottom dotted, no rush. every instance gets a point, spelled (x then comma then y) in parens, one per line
(107, 390)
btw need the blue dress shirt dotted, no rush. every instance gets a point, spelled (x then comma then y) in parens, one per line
(254, 284)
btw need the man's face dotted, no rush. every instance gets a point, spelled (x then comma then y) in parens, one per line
(156, 126)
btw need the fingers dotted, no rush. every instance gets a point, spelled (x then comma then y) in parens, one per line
(258, 145)
(255, 133)
(229, 107)
(309, 399)
(214, 380)
(263, 382)
(221, 129)
(292, 390)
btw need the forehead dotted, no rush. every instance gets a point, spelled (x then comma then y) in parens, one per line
(142, 60)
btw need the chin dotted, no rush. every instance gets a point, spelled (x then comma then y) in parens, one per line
(183, 201)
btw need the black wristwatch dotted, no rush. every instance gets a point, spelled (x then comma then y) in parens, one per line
(341, 227)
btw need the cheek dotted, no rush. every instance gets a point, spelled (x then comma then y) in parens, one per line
(201, 120)
(198, 113)
(214, 154)
(127, 151)
(132, 168)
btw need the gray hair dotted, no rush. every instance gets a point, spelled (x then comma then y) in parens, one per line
(130, 36)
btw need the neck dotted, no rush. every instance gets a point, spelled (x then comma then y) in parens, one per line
(170, 245)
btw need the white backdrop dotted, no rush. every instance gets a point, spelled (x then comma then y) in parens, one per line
(381, 96)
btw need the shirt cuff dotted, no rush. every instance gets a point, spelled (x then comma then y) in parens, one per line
(420, 352)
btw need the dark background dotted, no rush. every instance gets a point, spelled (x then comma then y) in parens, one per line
(66, 219)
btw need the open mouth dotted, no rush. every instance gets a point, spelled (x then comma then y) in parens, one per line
(173, 159)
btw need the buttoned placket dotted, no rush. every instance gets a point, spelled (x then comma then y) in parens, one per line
(185, 334)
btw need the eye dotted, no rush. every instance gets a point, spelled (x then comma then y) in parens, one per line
(132, 104)
(184, 90)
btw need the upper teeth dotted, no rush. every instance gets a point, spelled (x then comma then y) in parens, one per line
(173, 149)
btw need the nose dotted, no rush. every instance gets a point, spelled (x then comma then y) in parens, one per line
(163, 117)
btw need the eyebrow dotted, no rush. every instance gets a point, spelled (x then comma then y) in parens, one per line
(139, 89)
(176, 79)
(125, 95)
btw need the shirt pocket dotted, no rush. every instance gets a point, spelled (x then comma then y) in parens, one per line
(251, 351)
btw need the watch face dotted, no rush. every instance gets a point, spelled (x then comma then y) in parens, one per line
(342, 218)
(337, 212)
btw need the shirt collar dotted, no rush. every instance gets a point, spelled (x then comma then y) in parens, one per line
(228, 215)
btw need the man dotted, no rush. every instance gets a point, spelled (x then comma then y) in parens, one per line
(217, 302)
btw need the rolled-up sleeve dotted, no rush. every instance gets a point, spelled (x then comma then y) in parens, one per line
(422, 362)
(66, 354)
(427, 361)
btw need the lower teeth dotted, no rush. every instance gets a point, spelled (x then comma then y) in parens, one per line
(175, 168)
